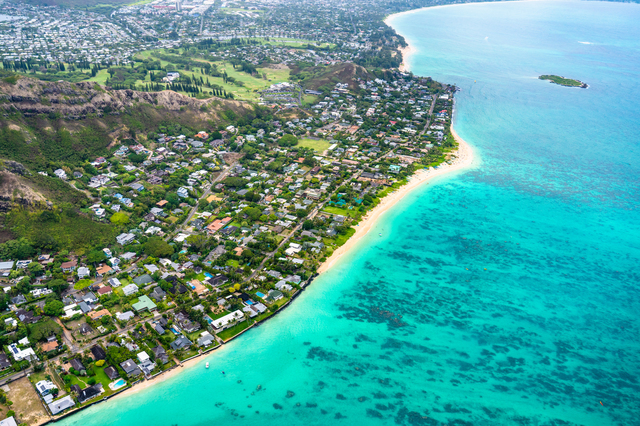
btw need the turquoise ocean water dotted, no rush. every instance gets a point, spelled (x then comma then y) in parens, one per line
(504, 295)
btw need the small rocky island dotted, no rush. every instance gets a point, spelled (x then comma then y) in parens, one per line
(568, 82)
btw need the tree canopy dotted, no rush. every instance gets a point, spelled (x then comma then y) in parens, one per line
(288, 140)
(157, 247)
(119, 218)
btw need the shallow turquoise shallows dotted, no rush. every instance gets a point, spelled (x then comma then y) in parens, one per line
(504, 295)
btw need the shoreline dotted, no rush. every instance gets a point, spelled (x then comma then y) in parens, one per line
(406, 53)
(166, 375)
(463, 159)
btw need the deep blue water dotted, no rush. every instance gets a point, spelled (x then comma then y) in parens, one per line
(504, 295)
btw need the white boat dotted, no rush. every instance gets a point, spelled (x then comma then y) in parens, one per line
(207, 366)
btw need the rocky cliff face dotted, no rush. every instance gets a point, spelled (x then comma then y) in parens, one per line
(78, 100)
(15, 190)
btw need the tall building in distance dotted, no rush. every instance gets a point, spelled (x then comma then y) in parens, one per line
(178, 6)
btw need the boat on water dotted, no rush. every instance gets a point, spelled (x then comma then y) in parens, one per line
(207, 365)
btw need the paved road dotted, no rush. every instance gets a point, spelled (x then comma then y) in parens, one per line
(311, 215)
(220, 177)
(433, 106)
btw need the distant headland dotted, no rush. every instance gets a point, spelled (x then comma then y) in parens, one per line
(568, 82)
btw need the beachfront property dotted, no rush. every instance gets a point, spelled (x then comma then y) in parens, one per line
(223, 211)
(226, 321)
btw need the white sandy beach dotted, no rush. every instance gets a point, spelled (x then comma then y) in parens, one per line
(406, 53)
(461, 159)
(198, 361)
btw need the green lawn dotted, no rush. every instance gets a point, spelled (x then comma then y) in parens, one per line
(236, 329)
(233, 263)
(187, 354)
(341, 239)
(319, 145)
(220, 315)
(308, 100)
(101, 77)
(82, 284)
(341, 211)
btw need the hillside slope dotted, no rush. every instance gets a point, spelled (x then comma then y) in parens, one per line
(43, 122)
(319, 78)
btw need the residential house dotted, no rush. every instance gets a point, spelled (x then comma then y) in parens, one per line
(125, 238)
(217, 280)
(90, 392)
(180, 342)
(44, 387)
(20, 354)
(206, 339)
(85, 329)
(4, 362)
(124, 316)
(83, 272)
(143, 280)
(183, 192)
(18, 300)
(158, 294)
(130, 289)
(226, 321)
(51, 345)
(77, 365)
(103, 270)
(98, 353)
(145, 364)
(111, 373)
(104, 290)
(183, 321)
(130, 368)
(27, 317)
(69, 266)
(58, 406)
(94, 315)
(144, 304)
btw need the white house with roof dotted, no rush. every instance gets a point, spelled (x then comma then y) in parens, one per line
(125, 238)
(21, 354)
(44, 387)
(130, 289)
(83, 272)
(227, 321)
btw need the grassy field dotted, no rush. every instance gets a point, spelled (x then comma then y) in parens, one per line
(319, 145)
(247, 88)
(250, 84)
(341, 211)
(230, 332)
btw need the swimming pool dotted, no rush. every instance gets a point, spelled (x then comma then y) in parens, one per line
(260, 295)
(249, 302)
(208, 275)
(117, 384)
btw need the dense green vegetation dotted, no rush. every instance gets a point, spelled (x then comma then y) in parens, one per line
(57, 229)
(563, 81)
